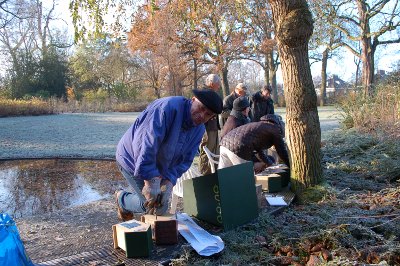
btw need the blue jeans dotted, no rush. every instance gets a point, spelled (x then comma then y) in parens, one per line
(132, 201)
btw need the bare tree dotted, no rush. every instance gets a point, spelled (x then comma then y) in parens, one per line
(10, 10)
(326, 37)
(30, 33)
(261, 45)
(18, 34)
(367, 23)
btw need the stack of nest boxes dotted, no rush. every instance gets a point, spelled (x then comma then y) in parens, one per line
(136, 237)
(230, 197)
(274, 179)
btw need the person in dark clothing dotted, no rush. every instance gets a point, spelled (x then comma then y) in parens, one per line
(261, 103)
(239, 115)
(239, 145)
(240, 90)
(210, 138)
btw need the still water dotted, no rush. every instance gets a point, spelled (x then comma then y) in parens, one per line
(32, 187)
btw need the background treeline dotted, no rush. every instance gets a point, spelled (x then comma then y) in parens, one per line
(169, 48)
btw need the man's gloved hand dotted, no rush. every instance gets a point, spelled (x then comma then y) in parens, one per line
(166, 194)
(152, 192)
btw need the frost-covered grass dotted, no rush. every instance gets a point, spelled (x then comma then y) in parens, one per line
(352, 218)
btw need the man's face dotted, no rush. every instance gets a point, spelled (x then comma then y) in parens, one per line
(266, 94)
(215, 86)
(200, 114)
(240, 92)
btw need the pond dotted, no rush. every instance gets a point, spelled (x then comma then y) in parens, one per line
(31, 187)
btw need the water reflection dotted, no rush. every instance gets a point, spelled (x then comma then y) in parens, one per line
(40, 186)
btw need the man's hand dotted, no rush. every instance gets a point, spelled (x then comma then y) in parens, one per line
(152, 192)
(259, 167)
(166, 194)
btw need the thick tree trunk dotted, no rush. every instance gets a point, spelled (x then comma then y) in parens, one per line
(367, 66)
(293, 26)
(323, 78)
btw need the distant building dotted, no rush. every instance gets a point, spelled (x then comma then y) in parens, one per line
(380, 75)
(334, 86)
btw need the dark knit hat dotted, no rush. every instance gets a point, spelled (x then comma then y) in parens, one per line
(240, 103)
(210, 99)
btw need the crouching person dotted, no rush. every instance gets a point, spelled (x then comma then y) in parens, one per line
(249, 142)
(159, 147)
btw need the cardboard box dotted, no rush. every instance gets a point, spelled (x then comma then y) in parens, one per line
(226, 198)
(133, 237)
(280, 169)
(164, 228)
(270, 183)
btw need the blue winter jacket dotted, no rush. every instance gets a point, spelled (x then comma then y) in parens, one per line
(162, 141)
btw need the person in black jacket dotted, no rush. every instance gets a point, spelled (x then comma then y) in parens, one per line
(240, 90)
(239, 115)
(261, 103)
(242, 143)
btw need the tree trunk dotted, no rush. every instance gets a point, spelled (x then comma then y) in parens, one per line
(225, 84)
(293, 28)
(367, 56)
(195, 73)
(357, 70)
(323, 78)
(272, 76)
(274, 88)
(266, 69)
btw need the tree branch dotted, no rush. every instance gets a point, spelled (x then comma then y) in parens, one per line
(376, 9)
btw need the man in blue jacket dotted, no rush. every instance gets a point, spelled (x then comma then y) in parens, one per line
(159, 147)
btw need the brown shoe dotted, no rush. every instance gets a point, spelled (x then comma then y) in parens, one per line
(122, 214)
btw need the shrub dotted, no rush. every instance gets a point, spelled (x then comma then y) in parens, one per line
(34, 106)
(99, 95)
(379, 113)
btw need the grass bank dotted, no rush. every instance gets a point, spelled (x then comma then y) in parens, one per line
(37, 106)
